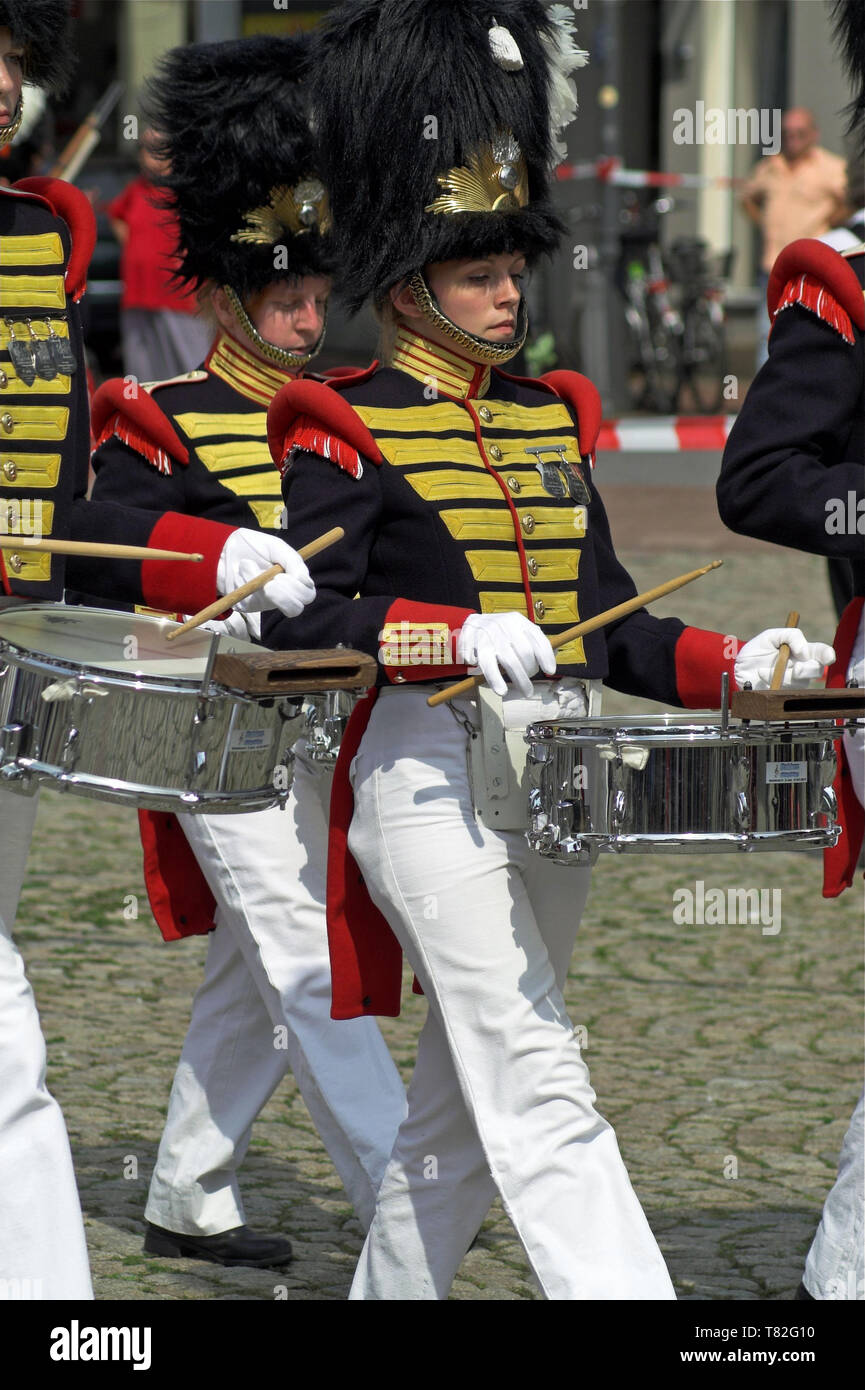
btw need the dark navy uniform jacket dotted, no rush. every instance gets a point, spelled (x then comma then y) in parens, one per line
(47, 234)
(462, 489)
(794, 467)
(195, 446)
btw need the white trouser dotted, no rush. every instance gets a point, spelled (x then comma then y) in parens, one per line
(43, 1253)
(500, 1099)
(835, 1267)
(264, 1006)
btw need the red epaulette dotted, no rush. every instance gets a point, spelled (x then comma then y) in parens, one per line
(817, 278)
(580, 394)
(584, 398)
(68, 202)
(312, 415)
(137, 420)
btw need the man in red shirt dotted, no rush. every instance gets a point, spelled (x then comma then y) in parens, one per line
(163, 334)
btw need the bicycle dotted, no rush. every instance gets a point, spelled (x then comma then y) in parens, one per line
(655, 325)
(699, 278)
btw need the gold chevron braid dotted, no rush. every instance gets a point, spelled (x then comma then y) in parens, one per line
(478, 186)
(481, 349)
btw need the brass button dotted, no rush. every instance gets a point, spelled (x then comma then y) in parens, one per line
(12, 514)
(514, 485)
(496, 452)
(532, 564)
(7, 422)
(10, 471)
(16, 564)
(540, 610)
(399, 678)
(4, 380)
(528, 523)
(486, 414)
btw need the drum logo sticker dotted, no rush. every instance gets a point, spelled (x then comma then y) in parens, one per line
(787, 772)
(250, 740)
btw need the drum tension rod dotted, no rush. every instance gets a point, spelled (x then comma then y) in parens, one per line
(208, 666)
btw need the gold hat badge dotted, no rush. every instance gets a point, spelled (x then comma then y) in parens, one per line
(295, 210)
(495, 179)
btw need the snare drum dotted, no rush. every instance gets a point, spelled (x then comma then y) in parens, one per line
(100, 704)
(679, 784)
(327, 716)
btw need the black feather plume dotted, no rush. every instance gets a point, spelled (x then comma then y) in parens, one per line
(42, 26)
(405, 90)
(849, 19)
(232, 120)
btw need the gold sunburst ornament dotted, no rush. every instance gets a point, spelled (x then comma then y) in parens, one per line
(302, 208)
(495, 179)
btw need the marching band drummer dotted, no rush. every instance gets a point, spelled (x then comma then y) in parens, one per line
(47, 233)
(232, 119)
(792, 473)
(470, 515)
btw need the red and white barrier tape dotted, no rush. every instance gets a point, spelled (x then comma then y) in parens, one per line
(610, 171)
(665, 434)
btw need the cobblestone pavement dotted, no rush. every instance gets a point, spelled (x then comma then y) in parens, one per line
(729, 1060)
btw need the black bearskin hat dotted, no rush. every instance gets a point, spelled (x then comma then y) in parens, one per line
(232, 120)
(849, 17)
(410, 90)
(42, 26)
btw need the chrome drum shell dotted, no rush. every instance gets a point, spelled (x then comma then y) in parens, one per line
(97, 703)
(679, 784)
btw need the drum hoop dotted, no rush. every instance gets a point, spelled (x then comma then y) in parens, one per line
(683, 735)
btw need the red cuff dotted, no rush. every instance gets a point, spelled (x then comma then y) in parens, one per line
(702, 657)
(189, 586)
(418, 641)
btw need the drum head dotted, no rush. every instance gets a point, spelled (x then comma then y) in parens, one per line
(98, 639)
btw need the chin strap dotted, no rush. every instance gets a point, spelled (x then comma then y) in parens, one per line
(8, 133)
(289, 361)
(480, 349)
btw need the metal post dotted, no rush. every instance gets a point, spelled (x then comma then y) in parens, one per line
(603, 324)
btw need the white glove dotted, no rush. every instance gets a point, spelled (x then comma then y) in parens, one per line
(245, 554)
(247, 626)
(756, 660)
(496, 642)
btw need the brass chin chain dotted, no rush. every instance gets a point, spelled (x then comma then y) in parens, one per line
(479, 349)
(8, 132)
(290, 361)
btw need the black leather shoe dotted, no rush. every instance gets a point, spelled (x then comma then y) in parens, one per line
(802, 1292)
(240, 1246)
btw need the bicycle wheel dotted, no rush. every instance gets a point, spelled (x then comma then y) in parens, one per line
(662, 365)
(704, 357)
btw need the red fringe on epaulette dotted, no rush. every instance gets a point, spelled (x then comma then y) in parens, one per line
(308, 436)
(808, 292)
(119, 428)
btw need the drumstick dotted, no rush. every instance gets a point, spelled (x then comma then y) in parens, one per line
(783, 655)
(621, 610)
(95, 549)
(221, 605)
